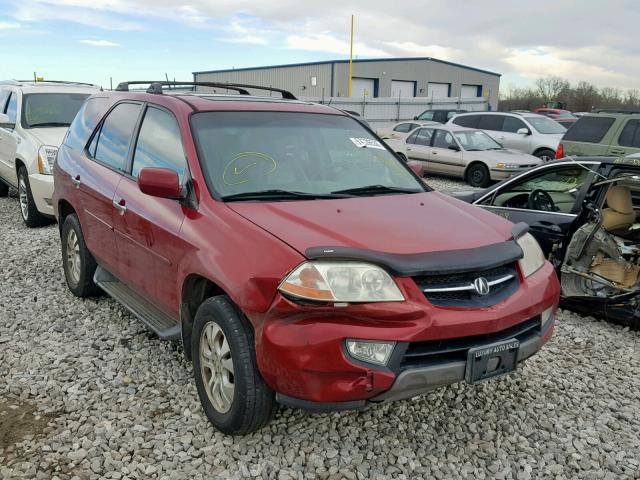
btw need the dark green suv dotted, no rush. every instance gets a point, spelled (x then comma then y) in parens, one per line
(615, 133)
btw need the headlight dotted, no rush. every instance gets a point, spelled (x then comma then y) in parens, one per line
(341, 282)
(46, 157)
(507, 166)
(533, 258)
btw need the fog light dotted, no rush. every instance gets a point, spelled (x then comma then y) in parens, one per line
(548, 315)
(370, 352)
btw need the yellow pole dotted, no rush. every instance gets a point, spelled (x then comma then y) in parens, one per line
(351, 58)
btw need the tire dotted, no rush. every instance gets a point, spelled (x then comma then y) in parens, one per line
(30, 214)
(545, 154)
(4, 189)
(250, 402)
(78, 263)
(478, 175)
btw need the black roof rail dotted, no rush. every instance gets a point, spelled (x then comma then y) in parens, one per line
(616, 110)
(61, 82)
(241, 88)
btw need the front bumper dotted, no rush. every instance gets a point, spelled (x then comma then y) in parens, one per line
(501, 174)
(301, 355)
(42, 191)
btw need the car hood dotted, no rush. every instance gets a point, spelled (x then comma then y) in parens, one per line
(48, 135)
(411, 223)
(492, 157)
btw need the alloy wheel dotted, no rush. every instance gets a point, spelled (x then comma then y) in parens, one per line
(216, 367)
(73, 256)
(24, 199)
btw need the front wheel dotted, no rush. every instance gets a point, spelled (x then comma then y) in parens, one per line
(478, 176)
(30, 214)
(233, 393)
(545, 154)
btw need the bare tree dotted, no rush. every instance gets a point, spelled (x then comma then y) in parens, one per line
(552, 88)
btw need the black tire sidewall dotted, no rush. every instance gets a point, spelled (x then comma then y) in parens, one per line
(85, 286)
(485, 176)
(34, 217)
(548, 153)
(247, 378)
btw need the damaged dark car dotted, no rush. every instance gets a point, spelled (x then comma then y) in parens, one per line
(585, 213)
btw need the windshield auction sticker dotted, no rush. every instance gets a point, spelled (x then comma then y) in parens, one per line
(366, 143)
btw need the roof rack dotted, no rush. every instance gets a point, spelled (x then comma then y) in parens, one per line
(61, 82)
(156, 87)
(616, 110)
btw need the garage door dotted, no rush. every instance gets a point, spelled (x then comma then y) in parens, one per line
(471, 91)
(402, 88)
(438, 90)
(363, 87)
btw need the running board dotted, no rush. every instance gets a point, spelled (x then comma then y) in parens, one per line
(164, 325)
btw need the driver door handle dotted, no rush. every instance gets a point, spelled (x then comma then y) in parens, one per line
(120, 206)
(76, 181)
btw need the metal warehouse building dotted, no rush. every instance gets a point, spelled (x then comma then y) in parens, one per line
(385, 77)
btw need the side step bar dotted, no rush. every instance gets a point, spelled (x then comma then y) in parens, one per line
(165, 326)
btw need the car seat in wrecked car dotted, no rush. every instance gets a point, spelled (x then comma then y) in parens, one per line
(618, 216)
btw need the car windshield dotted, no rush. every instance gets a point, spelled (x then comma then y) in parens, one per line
(473, 140)
(51, 109)
(301, 154)
(545, 125)
(565, 114)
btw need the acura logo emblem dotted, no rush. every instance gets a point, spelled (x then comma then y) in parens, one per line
(481, 285)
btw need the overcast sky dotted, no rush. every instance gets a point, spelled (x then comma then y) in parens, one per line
(92, 40)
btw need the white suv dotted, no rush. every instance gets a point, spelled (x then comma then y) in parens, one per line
(34, 117)
(527, 132)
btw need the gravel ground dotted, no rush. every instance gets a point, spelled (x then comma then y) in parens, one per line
(86, 393)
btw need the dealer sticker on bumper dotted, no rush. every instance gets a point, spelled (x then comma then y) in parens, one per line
(493, 360)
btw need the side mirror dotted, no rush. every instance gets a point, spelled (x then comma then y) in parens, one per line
(455, 148)
(160, 182)
(524, 131)
(5, 123)
(416, 167)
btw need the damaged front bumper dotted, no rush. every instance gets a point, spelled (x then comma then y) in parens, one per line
(623, 309)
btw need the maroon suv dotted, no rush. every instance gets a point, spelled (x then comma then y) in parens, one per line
(296, 258)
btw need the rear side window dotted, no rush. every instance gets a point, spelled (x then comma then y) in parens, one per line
(470, 121)
(421, 137)
(589, 129)
(630, 136)
(443, 139)
(159, 144)
(4, 95)
(85, 122)
(491, 122)
(112, 143)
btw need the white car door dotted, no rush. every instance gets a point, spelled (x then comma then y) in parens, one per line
(8, 139)
(509, 136)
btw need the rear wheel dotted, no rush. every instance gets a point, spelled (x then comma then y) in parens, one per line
(78, 263)
(478, 175)
(233, 393)
(30, 214)
(545, 154)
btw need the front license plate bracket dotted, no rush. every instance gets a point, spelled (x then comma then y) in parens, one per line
(489, 361)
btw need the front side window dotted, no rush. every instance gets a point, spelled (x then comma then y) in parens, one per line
(559, 189)
(111, 145)
(311, 154)
(426, 116)
(475, 140)
(159, 143)
(545, 125)
(443, 139)
(51, 109)
(12, 108)
(512, 124)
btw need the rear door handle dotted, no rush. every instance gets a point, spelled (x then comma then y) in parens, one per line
(76, 181)
(120, 206)
(434, 153)
(618, 151)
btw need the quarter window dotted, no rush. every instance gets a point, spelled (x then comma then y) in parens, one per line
(159, 144)
(403, 127)
(111, 146)
(470, 121)
(12, 108)
(630, 136)
(589, 129)
(421, 137)
(4, 95)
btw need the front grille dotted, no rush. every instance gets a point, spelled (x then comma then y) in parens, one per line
(456, 289)
(423, 354)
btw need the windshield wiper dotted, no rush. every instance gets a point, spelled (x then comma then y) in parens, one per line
(49, 124)
(278, 194)
(368, 189)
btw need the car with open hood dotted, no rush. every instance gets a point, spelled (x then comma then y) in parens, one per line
(585, 214)
(297, 259)
(34, 117)
(462, 152)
